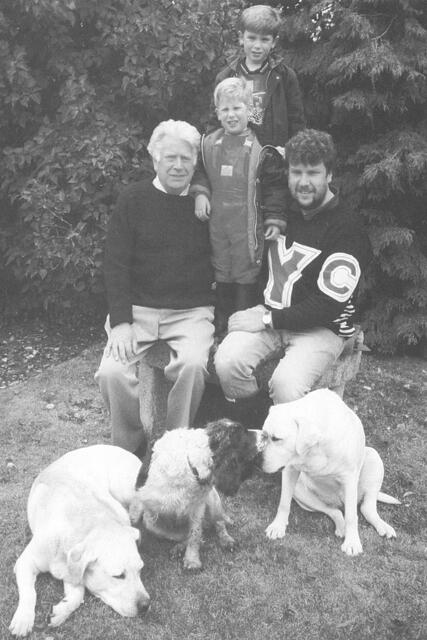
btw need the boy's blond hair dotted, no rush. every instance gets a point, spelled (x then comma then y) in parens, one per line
(236, 88)
(260, 18)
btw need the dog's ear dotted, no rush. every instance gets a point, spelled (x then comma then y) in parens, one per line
(308, 434)
(201, 465)
(78, 558)
(224, 434)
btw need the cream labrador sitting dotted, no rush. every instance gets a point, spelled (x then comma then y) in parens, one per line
(187, 467)
(319, 442)
(82, 535)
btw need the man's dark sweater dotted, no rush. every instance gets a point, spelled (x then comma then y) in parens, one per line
(157, 254)
(314, 270)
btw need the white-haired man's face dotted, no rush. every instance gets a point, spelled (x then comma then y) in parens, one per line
(174, 163)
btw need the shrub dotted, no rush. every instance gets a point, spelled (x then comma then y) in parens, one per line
(362, 65)
(81, 87)
(82, 84)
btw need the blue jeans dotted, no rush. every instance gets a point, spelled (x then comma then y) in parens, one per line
(308, 355)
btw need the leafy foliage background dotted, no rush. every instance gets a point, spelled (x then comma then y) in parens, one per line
(83, 83)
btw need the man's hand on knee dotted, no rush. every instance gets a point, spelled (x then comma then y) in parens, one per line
(122, 343)
(249, 320)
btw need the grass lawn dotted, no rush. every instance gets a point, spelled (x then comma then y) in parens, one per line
(299, 588)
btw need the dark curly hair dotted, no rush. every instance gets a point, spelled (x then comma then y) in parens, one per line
(234, 450)
(311, 146)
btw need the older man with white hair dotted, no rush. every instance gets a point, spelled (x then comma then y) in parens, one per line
(159, 287)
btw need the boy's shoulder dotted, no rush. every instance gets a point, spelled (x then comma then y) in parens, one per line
(277, 64)
(212, 136)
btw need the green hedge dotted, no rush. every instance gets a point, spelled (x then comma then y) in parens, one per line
(82, 84)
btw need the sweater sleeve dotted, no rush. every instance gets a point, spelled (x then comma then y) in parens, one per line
(296, 119)
(315, 310)
(117, 263)
(273, 189)
(334, 289)
(200, 181)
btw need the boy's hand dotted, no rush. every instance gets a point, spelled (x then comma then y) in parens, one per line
(202, 207)
(272, 232)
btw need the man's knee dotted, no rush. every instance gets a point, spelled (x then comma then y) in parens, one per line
(235, 376)
(226, 364)
(190, 361)
(110, 370)
(284, 386)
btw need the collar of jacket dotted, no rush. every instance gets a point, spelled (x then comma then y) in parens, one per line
(274, 60)
(262, 150)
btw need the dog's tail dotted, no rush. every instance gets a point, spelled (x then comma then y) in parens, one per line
(384, 497)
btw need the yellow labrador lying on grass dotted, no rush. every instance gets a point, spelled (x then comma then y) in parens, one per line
(187, 467)
(319, 442)
(82, 535)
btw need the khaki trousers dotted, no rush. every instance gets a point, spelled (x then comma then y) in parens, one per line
(308, 355)
(189, 334)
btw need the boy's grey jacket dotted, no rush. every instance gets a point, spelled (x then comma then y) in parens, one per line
(284, 110)
(267, 190)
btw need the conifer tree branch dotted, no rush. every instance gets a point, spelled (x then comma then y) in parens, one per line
(385, 31)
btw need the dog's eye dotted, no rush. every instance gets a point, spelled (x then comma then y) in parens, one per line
(121, 576)
(275, 439)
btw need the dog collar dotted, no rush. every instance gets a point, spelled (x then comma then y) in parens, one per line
(201, 481)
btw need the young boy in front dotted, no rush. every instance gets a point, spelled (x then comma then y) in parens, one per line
(241, 191)
(277, 111)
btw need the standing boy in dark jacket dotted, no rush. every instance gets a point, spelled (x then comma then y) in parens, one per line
(241, 190)
(277, 112)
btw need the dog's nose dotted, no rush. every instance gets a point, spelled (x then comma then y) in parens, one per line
(263, 439)
(143, 607)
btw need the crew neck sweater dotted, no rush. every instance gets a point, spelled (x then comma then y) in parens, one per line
(157, 254)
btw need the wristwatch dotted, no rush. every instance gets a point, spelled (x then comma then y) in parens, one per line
(267, 319)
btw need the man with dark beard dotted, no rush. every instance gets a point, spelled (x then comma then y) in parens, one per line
(313, 273)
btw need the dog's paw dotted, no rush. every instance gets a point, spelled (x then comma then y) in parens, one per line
(227, 519)
(22, 623)
(340, 530)
(227, 542)
(60, 612)
(352, 546)
(275, 530)
(385, 530)
(192, 564)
